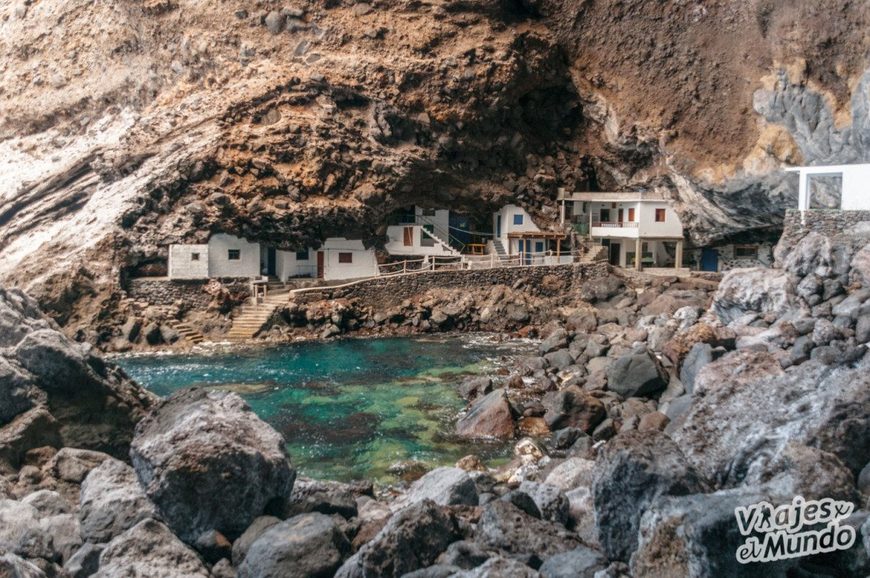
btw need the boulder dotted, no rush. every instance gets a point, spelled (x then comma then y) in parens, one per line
(488, 417)
(747, 410)
(445, 486)
(85, 561)
(573, 407)
(581, 562)
(326, 497)
(572, 473)
(700, 355)
(753, 290)
(209, 463)
(503, 526)
(149, 550)
(559, 359)
(73, 465)
(637, 374)
(463, 554)
(12, 566)
(633, 470)
(697, 536)
(558, 339)
(47, 503)
(473, 387)
(549, 499)
(304, 546)
(500, 567)
(17, 391)
(412, 539)
(111, 502)
(21, 532)
(253, 532)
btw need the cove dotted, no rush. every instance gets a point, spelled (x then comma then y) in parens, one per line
(352, 408)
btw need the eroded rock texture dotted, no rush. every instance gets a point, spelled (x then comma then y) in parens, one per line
(291, 122)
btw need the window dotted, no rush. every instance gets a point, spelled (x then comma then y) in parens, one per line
(605, 215)
(631, 214)
(539, 246)
(302, 255)
(234, 254)
(746, 251)
(660, 215)
(194, 256)
(345, 257)
(518, 219)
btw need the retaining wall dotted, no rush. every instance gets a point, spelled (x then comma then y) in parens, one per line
(825, 222)
(189, 292)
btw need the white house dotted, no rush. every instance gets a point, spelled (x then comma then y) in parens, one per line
(421, 232)
(845, 187)
(229, 256)
(628, 224)
(516, 234)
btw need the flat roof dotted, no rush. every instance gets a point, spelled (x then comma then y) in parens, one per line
(610, 197)
(825, 168)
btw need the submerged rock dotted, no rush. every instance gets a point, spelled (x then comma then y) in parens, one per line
(209, 463)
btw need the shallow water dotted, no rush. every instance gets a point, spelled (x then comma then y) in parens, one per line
(349, 409)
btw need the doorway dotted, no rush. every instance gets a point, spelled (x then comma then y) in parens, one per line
(320, 264)
(709, 260)
(615, 249)
(271, 260)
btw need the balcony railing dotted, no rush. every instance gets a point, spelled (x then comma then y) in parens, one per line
(623, 225)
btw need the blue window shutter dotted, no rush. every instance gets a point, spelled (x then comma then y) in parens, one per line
(518, 219)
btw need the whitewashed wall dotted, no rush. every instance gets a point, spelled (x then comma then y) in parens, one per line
(396, 244)
(182, 265)
(364, 263)
(648, 227)
(287, 265)
(219, 264)
(507, 223)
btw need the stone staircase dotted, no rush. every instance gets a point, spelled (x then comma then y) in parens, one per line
(499, 249)
(251, 318)
(187, 331)
(595, 253)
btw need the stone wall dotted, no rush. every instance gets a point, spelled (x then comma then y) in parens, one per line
(387, 291)
(190, 293)
(825, 222)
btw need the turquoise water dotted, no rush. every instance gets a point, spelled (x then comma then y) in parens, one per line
(349, 409)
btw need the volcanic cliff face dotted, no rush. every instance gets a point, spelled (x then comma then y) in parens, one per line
(130, 125)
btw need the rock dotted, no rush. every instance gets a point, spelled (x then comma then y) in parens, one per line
(47, 503)
(326, 497)
(697, 535)
(209, 463)
(12, 566)
(35, 428)
(489, 416)
(21, 532)
(565, 437)
(700, 355)
(303, 546)
(223, 569)
(274, 22)
(111, 502)
(254, 531)
(168, 334)
(152, 334)
(85, 561)
(864, 480)
(805, 471)
(148, 550)
(654, 421)
(746, 409)
(505, 527)
(759, 290)
(559, 360)
(17, 391)
(463, 554)
(558, 339)
(131, 329)
(549, 499)
(637, 374)
(862, 329)
(445, 486)
(581, 562)
(499, 567)
(473, 387)
(632, 471)
(573, 407)
(572, 473)
(412, 539)
(73, 465)
(64, 533)
(213, 546)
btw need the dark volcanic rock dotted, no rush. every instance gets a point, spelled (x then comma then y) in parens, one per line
(573, 408)
(632, 471)
(412, 539)
(445, 486)
(581, 562)
(489, 416)
(636, 374)
(326, 497)
(306, 546)
(209, 463)
(505, 527)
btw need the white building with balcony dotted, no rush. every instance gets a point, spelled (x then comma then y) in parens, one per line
(631, 224)
(420, 232)
(516, 236)
(845, 187)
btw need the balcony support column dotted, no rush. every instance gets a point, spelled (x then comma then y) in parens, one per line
(678, 257)
(638, 257)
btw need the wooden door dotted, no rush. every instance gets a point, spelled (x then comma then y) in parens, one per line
(614, 254)
(619, 216)
(408, 236)
(320, 264)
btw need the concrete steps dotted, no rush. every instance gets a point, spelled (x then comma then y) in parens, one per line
(251, 318)
(187, 331)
